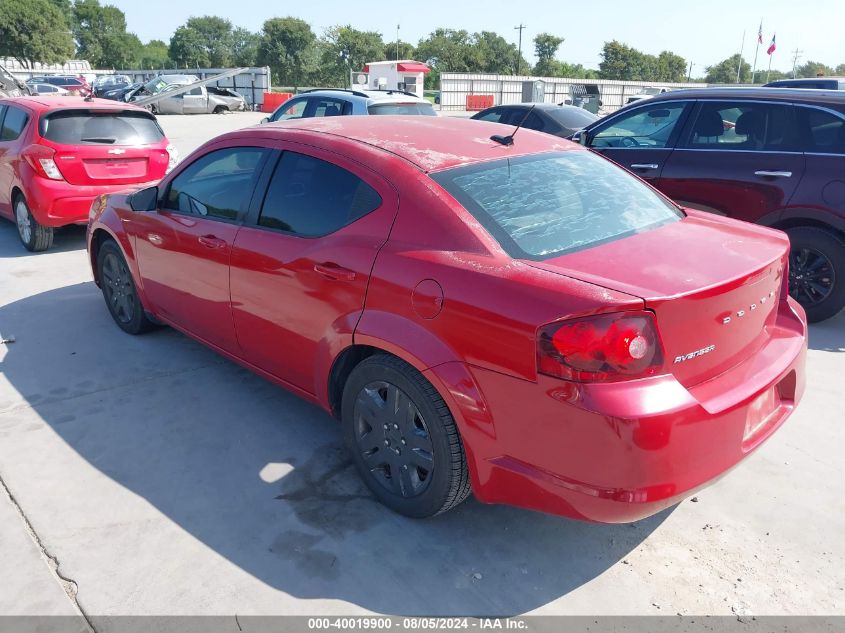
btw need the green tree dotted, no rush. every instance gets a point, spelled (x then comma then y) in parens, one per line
(840, 69)
(34, 31)
(286, 46)
(725, 71)
(622, 62)
(100, 34)
(155, 55)
(496, 55)
(244, 47)
(406, 50)
(123, 50)
(448, 50)
(545, 48)
(66, 7)
(211, 34)
(187, 49)
(814, 69)
(671, 67)
(348, 49)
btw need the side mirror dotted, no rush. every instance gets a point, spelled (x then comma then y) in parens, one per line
(144, 200)
(265, 120)
(581, 137)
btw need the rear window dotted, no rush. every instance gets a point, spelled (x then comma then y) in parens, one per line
(541, 206)
(74, 127)
(425, 109)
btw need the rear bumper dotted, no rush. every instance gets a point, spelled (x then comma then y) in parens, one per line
(58, 203)
(620, 452)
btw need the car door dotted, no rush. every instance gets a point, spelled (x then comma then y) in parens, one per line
(292, 109)
(301, 263)
(13, 123)
(739, 158)
(195, 101)
(327, 106)
(822, 131)
(640, 138)
(184, 247)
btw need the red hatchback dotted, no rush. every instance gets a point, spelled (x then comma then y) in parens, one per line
(518, 317)
(57, 154)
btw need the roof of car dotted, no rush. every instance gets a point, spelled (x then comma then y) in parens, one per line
(430, 143)
(42, 103)
(780, 94)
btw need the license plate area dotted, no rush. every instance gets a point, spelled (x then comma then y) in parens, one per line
(760, 412)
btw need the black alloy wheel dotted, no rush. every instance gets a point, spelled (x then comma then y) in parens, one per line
(119, 291)
(817, 271)
(811, 276)
(402, 438)
(393, 439)
(118, 288)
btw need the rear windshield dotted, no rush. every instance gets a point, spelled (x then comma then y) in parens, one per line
(72, 127)
(426, 109)
(572, 118)
(541, 206)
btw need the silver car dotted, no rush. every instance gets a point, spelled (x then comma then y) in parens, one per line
(197, 100)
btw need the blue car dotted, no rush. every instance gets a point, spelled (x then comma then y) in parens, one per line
(339, 102)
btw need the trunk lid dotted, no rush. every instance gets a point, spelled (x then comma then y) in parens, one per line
(713, 284)
(105, 147)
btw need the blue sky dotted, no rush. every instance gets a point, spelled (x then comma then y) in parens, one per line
(701, 32)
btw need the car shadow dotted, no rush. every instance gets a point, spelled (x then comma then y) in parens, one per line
(66, 238)
(829, 335)
(261, 477)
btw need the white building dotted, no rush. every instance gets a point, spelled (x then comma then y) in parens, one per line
(403, 74)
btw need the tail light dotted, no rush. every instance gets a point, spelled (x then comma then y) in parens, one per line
(602, 348)
(172, 158)
(42, 161)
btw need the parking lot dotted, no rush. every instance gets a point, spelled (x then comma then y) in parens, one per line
(147, 475)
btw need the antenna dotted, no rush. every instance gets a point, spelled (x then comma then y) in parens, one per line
(508, 140)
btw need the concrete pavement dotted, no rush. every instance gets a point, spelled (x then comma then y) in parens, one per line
(164, 479)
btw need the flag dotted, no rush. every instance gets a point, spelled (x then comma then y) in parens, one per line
(760, 33)
(772, 46)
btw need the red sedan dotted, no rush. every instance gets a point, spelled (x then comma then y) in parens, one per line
(57, 154)
(516, 317)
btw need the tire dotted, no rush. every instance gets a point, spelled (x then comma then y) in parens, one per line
(34, 236)
(817, 271)
(425, 449)
(220, 110)
(119, 290)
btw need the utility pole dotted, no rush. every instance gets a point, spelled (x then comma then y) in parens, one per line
(397, 42)
(689, 74)
(796, 55)
(741, 49)
(519, 53)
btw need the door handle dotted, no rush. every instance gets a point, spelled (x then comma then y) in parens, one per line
(645, 166)
(334, 272)
(773, 174)
(211, 241)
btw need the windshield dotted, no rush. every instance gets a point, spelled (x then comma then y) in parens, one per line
(425, 109)
(541, 206)
(72, 127)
